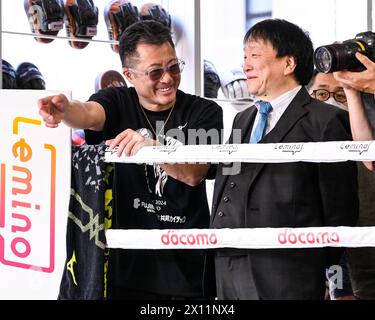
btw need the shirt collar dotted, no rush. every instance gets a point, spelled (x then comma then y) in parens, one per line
(284, 100)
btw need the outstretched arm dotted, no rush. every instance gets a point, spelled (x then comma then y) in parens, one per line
(75, 114)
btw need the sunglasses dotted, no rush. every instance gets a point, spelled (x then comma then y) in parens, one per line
(155, 74)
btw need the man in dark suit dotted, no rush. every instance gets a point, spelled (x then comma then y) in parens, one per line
(278, 63)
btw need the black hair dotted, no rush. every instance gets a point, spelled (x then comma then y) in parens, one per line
(287, 39)
(147, 32)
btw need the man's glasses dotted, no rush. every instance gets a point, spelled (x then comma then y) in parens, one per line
(155, 74)
(324, 95)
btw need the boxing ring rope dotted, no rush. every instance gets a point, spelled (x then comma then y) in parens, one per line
(257, 153)
(247, 238)
(241, 238)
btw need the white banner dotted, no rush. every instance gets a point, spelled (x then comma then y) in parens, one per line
(257, 238)
(259, 153)
(34, 198)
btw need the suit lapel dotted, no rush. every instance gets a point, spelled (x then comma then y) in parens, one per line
(290, 117)
(244, 122)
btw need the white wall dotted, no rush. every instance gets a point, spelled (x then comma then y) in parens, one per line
(223, 29)
(186, 32)
(326, 20)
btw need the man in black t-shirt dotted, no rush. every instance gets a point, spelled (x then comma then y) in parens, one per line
(152, 112)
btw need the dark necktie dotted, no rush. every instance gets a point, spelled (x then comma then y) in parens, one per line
(264, 109)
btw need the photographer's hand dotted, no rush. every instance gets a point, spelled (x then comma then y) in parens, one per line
(359, 123)
(362, 81)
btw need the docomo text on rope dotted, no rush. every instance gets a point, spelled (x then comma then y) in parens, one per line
(256, 238)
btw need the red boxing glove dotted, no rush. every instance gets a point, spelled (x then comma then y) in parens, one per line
(110, 78)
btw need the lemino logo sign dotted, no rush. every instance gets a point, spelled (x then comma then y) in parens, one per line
(27, 197)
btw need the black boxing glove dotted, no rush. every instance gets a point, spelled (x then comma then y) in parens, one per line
(45, 17)
(81, 20)
(211, 80)
(153, 11)
(28, 76)
(9, 75)
(118, 15)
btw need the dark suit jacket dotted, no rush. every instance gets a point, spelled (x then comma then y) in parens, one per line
(298, 194)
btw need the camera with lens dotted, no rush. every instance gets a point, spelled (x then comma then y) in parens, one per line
(341, 56)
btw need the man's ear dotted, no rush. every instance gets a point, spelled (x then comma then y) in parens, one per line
(128, 75)
(290, 65)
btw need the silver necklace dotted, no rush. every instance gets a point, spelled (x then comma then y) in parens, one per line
(151, 126)
(156, 137)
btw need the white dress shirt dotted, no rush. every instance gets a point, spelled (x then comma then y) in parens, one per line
(279, 106)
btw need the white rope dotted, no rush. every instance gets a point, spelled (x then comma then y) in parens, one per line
(259, 153)
(257, 238)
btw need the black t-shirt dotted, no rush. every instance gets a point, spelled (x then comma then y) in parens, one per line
(146, 198)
